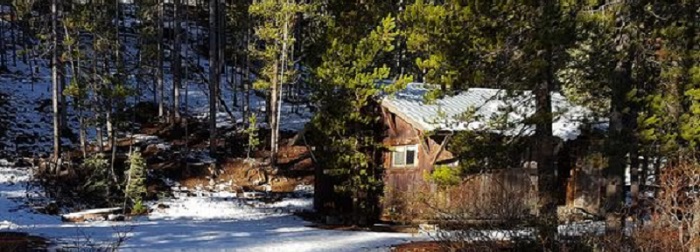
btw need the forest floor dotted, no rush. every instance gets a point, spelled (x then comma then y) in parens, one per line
(195, 208)
(221, 221)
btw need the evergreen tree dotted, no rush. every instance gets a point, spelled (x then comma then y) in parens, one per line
(136, 178)
(275, 21)
(348, 88)
(509, 45)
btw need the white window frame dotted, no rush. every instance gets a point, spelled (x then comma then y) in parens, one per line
(404, 149)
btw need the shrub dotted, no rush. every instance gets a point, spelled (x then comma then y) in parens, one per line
(136, 183)
(139, 208)
(445, 175)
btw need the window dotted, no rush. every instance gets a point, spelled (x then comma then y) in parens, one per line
(404, 156)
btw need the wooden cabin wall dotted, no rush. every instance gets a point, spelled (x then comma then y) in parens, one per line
(584, 183)
(408, 197)
(502, 194)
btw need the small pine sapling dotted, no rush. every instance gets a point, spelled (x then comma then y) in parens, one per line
(136, 180)
(97, 183)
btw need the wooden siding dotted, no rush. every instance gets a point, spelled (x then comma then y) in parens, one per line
(501, 194)
(406, 190)
(403, 184)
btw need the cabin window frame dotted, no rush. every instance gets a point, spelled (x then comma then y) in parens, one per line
(397, 150)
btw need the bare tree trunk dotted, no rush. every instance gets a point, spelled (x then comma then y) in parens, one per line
(3, 49)
(214, 77)
(96, 100)
(62, 80)
(544, 139)
(177, 76)
(272, 114)
(110, 125)
(159, 72)
(246, 83)
(546, 178)
(55, 82)
(617, 147)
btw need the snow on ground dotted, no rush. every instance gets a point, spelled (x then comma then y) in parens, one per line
(220, 223)
(28, 89)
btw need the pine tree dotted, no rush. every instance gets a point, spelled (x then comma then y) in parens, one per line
(136, 178)
(275, 22)
(508, 45)
(348, 85)
(74, 23)
(635, 62)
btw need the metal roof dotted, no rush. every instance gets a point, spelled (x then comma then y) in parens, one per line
(482, 109)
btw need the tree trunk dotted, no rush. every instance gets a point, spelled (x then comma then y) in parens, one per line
(62, 75)
(272, 114)
(159, 71)
(546, 168)
(618, 145)
(214, 77)
(246, 81)
(544, 149)
(55, 83)
(96, 100)
(176, 64)
(3, 49)
(277, 89)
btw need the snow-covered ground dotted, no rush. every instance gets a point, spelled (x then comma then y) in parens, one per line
(220, 223)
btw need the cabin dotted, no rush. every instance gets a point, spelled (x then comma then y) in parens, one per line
(417, 133)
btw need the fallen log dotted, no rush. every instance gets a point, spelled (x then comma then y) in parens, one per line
(99, 214)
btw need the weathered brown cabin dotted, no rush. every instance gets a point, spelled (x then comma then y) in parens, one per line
(417, 136)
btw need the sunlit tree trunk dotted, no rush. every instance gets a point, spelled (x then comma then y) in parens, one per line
(177, 61)
(55, 82)
(159, 71)
(214, 76)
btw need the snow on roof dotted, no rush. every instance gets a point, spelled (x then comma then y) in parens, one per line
(482, 109)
